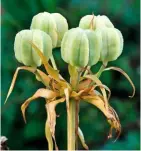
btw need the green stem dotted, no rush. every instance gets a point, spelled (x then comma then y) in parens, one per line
(71, 124)
(53, 62)
(101, 69)
(98, 74)
(86, 71)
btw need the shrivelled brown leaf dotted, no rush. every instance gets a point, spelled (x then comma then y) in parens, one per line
(45, 93)
(54, 73)
(109, 113)
(82, 139)
(125, 74)
(41, 76)
(48, 136)
(30, 69)
(115, 123)
(105, 87)
(84, 84)
(51, 116)
(75, 94)
(98, 82)
(98, 102)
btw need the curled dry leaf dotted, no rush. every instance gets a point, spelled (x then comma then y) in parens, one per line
(105, 87)
(30, 69)
(98, 82)
(82, 139)
(84, 84)
(76, 95)
(126, 75)
(98, 102)
(48, 136)
(53, 73)
(45, 93)
(109, 113)
(115, 123)
(51, 118)
(41, 77)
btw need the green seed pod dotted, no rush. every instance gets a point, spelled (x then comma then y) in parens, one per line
(94, 22)
(55, 25)
(112, 44)
(25, 53)
(81, 47)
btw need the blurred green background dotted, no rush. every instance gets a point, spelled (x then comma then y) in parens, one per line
(17, 15)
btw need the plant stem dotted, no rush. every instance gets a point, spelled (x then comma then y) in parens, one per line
(101, 69)
(72, 111)
(53, 62)
(87, 70)
(71, 124)
(76, 123)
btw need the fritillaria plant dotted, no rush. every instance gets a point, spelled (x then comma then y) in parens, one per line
(94, 40)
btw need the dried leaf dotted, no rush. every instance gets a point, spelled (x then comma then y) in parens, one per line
(30, 69)
(98, 102)
(41, 76)
(98, 82)
(53, 73)
(76, 94)
(51, 119)
(55, 86)
(48, 136)
(105, 87)
(84, 84)
(109, 113)
(82, 139)
(115, 123)
(45, 93)
(127, 77)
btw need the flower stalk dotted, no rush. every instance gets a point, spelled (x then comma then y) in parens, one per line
(101, 69)
(71, 124)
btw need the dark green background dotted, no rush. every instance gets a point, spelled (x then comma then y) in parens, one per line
(17, 15)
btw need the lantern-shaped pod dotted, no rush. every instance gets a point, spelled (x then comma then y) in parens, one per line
(81, 47)
(112, 44)
(25, 53)
(55, 25)
(95, 22)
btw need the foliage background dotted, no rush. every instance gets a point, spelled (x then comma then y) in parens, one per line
(17, 15)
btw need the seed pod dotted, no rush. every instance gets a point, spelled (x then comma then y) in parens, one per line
(55, 25)
(94, 22)
(25, 53)
(81, 47)
(112, 44)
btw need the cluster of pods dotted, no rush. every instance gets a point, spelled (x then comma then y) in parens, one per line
(94, 40)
